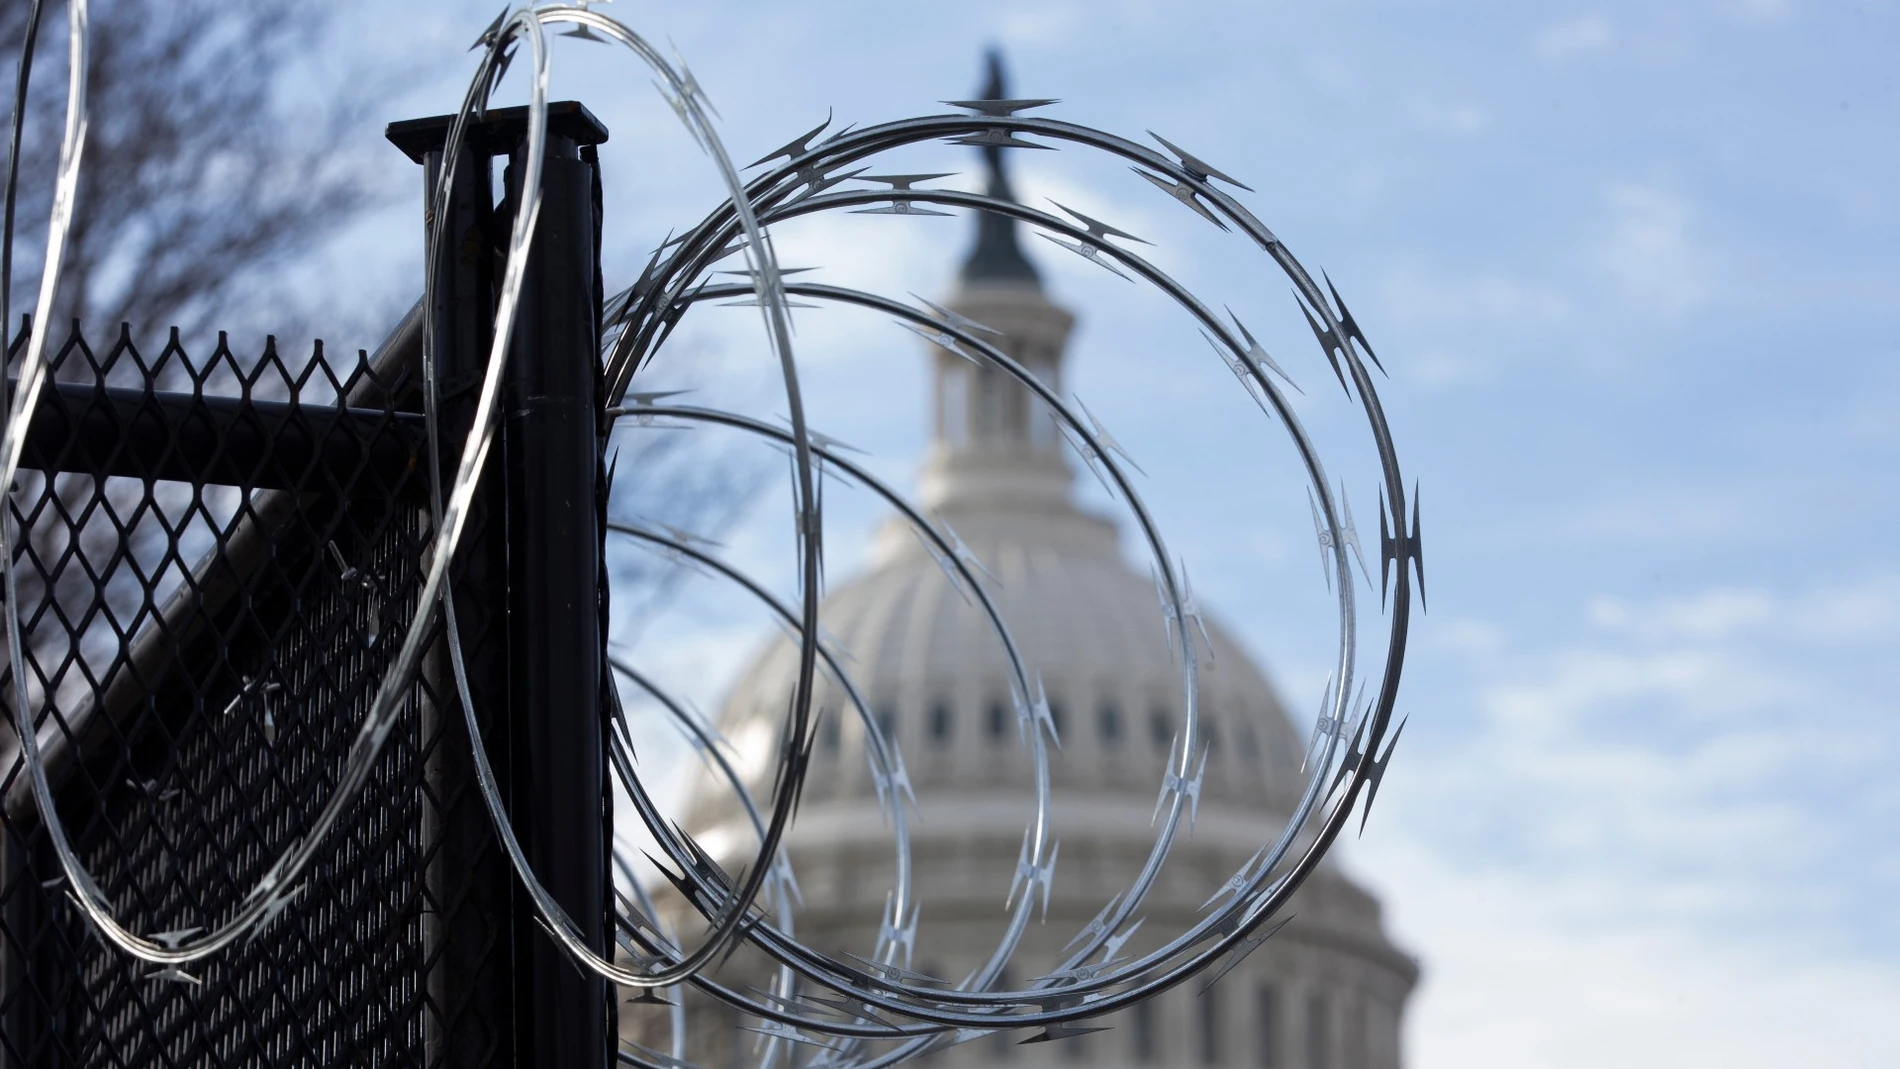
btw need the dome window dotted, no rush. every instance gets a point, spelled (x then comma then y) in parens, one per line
(1267, 1026)
(887, 725)
(1161, 729)
(940, 722)
(1109, 723)
(1249, 742)
(828, 731)
(1144, 1031)
(1319, 1048)
(997, 719)
(1209, 1037)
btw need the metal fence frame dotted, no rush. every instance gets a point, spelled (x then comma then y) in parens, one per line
(430, 915)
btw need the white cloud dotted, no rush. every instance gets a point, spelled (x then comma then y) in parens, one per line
(1648, 248)
(1762, 11)
(1649, 845)
(1440, 117)
(1425, 301)
(1710, 614)
(1862, 612)
(1512, 981)
(1666, 514)
(1574, 37)
(1420, 296)
(1029, 25)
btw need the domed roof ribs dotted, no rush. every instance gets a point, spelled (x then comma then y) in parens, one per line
(997, 257)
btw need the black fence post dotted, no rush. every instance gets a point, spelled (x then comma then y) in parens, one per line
(530, 568)
(555, 586)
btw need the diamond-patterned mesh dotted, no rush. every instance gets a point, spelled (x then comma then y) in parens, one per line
(217, 558)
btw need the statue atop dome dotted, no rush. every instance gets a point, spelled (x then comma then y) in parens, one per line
(997, 257)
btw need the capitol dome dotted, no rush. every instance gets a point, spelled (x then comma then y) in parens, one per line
(1328, 992)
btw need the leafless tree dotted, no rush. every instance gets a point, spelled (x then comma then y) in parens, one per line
(200, 182)
(200, 177)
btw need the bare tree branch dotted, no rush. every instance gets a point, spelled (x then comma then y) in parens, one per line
(200, 178)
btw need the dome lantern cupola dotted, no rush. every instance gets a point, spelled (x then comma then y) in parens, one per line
(995, 444)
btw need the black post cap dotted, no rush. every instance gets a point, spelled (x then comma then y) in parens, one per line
(498, 132)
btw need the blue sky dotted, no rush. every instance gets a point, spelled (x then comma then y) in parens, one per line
(1632, 268)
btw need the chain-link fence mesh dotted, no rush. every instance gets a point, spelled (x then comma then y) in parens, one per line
(217, 557)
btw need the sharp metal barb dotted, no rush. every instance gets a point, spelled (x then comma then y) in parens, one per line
(1189, 788)
(897, 972)
(1377, 775)
(1239, 954)
(962, 550)
(755, 302)
(1354, 758)
(1096, 927)
(945, 561)
(897, 933)
(902, 183)
(940, 338)
(1238, 364)
(1108, 440)
(1418, 550)
(679, 103)
(899, 206)
(824, 441)
(1182, 192)
(1395, 550)
(1098, 229)
(1257, 353)
(796, 147)
(1091, 253)
(1238, 881)
(1195, 166)
(1349, 534)
(1079, 974)
(1061, 1029)
(1351, 327)
(755, 275)
(691, 87)
(649, 398)
(1326, 725)
(1000, 109)
(1168, 615)
(1325, 536)
(957, 319)
(1329, 343)
(778, 1030)
(1191, 611)
(817, 181)
(1112, 946)
(1089, 457)
(488, 35)
(1029, 876)
(997, 138)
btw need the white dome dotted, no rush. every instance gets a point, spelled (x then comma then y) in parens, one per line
(929, 666)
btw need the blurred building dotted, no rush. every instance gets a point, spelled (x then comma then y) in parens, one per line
(1328, 992)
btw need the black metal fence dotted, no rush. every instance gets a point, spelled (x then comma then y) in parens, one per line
(217, 557)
